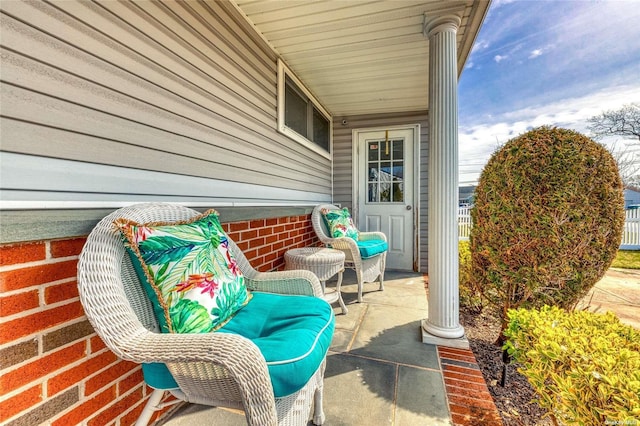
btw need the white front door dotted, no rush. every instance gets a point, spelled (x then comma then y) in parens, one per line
(385, 198)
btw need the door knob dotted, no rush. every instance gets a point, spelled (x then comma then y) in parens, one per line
(408, 207)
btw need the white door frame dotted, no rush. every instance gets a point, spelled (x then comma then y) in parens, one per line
(357, 190)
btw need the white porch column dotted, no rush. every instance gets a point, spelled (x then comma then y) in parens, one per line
(442, 325)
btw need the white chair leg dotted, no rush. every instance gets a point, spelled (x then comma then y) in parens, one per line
(360, 285)
(383, 262)
(338, 285)
(318, 412)
(151, 407)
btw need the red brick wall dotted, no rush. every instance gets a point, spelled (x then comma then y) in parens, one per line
(53, 367)
(264, 241)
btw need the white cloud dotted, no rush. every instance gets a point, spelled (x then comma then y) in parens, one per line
(479, 141)
(481, 45)
(535, 53)
(497, 3)
(499, 58)
(604, 24)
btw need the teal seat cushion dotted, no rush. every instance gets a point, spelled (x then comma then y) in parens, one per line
(292, 332)
(157, 376)
(370, 248)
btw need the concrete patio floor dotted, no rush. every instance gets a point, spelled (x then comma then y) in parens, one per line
(618, 291)
(378, 369)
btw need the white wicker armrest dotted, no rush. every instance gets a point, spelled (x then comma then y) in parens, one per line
(286, 282)
(239, 356)
(146, 346)
(365, 236)
(345, 243)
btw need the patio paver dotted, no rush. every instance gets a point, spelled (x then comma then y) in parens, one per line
(380, 372)
(619, 292)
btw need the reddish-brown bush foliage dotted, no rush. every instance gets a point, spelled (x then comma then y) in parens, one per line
(547, 220)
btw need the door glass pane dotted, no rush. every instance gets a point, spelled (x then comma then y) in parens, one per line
(385, 192)
(373, 172)
(385, 150)
(373, 151)
(373, 193)
(398, 170)
(385, 171)
(398, 192)
(398, 149)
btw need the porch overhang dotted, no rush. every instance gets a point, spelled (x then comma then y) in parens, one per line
(361, 57)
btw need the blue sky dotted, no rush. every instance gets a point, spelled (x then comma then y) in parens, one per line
(539, 62)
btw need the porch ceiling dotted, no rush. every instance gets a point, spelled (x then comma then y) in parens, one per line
(358, 56)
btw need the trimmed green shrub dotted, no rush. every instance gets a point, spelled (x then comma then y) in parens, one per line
(585, 367)
(547, 220)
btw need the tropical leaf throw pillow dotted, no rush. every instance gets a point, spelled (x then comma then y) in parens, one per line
(188, 272)
(340, 223)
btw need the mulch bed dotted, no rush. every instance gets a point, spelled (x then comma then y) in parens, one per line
(515, 400)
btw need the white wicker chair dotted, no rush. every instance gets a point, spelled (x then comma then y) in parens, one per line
(367, 270)
(218, 369)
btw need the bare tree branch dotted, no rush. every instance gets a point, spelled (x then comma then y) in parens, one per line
(628, 164)
(623, 122)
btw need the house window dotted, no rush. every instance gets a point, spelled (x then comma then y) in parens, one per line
(300, 116)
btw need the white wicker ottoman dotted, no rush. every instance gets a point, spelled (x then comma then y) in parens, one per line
(325, 263)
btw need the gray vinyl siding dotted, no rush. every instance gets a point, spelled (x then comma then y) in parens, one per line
(343, 162)
(180, 97)
(423, 238)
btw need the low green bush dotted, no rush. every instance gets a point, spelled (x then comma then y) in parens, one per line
(469, 296)
(585, 367)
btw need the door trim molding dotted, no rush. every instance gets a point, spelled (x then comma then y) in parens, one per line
(355, 182)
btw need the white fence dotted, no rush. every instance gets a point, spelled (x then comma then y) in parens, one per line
(630, 235)
(464, 223)
(631, 232)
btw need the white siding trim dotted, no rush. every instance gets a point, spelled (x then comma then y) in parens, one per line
(30, 182)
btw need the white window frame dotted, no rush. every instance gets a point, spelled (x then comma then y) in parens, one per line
(284, 71)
